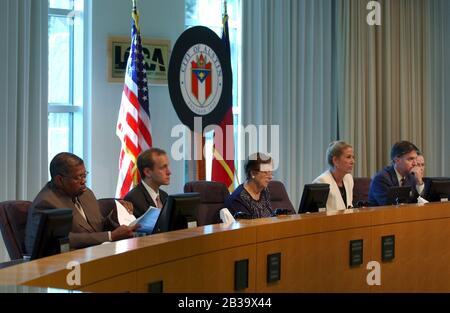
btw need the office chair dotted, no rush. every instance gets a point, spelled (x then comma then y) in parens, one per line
(106, 205)
(108, 209)
(279, 197)
(13, 222)
(361, 188)
(212, 195)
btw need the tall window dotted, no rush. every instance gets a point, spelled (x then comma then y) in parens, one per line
(209, 13)
(65, 77)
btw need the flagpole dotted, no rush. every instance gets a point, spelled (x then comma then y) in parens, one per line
(133, 99)
(224, 7)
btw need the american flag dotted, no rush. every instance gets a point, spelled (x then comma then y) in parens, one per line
(133, 124)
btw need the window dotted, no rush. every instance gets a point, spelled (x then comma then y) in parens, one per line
(195, 15)
(65, 77)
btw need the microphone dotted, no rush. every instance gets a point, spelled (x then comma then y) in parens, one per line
(360, 204)
(280, 211)
(242, 215)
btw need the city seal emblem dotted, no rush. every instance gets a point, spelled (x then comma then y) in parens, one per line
(200, 79)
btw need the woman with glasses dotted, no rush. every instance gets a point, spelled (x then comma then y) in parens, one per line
(252, 199)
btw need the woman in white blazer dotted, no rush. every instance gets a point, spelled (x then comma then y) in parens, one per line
(341, 159)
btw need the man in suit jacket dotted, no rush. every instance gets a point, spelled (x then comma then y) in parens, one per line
(399, 173)
(419, 173)
(153, 166)
(67, 189)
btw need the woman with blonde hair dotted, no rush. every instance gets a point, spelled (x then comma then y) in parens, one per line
(341, 159)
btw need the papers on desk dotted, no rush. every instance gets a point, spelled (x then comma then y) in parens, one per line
(123, 216)
(226, 216)
(421, 200)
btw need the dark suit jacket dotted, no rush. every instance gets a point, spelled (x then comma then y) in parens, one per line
(385, 179)
(84, 233)
(141, 199)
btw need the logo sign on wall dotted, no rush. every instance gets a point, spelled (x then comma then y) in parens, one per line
(156, 54)
(200, 79)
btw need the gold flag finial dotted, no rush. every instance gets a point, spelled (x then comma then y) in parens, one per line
(135, 15)
(225, 7)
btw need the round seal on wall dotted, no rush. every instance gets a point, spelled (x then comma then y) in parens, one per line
(200, 77)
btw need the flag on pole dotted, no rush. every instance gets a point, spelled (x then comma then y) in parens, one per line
(133, 124)
(223, 169)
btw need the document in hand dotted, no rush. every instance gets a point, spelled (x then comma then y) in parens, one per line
(123, 216)
(147, 221)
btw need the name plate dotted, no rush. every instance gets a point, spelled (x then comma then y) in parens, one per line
(241, 274)
(387, 248)
(273, 267)
(356, 252)
(192, 224)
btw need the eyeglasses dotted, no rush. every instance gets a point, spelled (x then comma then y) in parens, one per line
(78, 178)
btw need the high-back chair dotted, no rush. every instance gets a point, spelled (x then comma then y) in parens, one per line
(361, 186)
(106, 205)
(13, 222)
(108, 209)
(279, 197)
(213, 195)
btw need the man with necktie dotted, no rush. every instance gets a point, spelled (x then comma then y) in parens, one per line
(399, 173)
(153, 166)
(67, 189)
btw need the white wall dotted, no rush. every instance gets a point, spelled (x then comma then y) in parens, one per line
(158, 19)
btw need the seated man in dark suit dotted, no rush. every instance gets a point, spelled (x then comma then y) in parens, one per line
(400, 173)
(419, 173)
(153, 166)
(67, 189)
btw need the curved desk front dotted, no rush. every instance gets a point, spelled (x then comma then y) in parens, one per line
(305, 253)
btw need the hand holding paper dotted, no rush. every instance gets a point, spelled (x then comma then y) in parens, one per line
(123, 216)
(147, 221)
